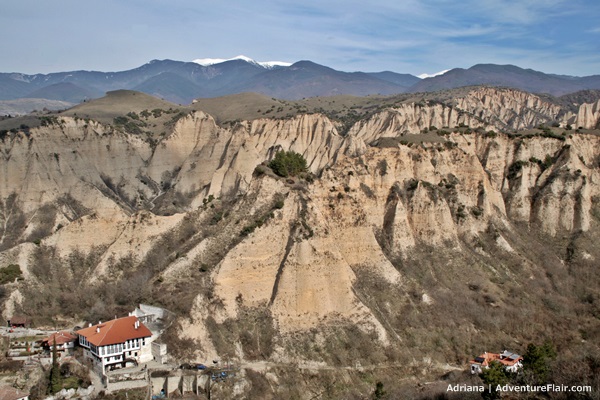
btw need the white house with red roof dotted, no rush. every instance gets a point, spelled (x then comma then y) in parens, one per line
(511, 362)
(65, 342)
(114, 343)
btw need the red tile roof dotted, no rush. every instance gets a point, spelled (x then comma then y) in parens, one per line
(61, 338)
(115, 331)
(486, 358)
(10, 393)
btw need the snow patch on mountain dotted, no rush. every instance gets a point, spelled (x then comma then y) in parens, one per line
(265, 64)
(423, 76)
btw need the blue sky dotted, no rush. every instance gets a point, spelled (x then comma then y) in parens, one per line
(553, 36)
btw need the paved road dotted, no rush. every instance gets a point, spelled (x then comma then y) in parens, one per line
(21, 332)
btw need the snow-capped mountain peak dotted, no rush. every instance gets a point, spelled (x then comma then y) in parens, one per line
(265, 64)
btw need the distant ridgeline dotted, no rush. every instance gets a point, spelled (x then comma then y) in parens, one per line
(181, 82)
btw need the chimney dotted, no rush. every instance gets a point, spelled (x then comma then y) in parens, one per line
(137, 324)
(90, 325)
(97, 329)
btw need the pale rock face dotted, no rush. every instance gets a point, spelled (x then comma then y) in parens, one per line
(410, 119)
(250, 269)
(430, 218)
(11, 303)
(402, 234)
(73, 157)
(488, 108)
(508, 108)
(191, 135)
(19, 255)
(587, 117)
(222, 161)
(310, 282)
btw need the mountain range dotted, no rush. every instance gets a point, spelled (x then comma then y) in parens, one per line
(182, 82)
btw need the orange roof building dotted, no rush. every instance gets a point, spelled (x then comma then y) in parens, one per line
(115, 342)
(511, 361)
(60, 338)
(65, 342)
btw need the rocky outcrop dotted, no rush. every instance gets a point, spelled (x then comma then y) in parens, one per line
(487, 108)
(392, 202)
(508, 108)
(587, 117)
(411, 119)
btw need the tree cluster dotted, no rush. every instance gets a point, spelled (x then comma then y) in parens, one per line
(288, 163)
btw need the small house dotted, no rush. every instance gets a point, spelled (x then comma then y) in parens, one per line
(65, 342)
(18, 321)
(512, 362)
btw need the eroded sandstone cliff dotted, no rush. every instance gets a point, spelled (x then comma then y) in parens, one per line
(378, 238)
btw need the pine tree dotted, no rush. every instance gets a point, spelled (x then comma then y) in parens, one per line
(288, 163)
(537, 362)
(379, 393)
(55, 378)
(494, 376)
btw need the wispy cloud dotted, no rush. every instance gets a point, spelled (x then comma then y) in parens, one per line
(408, 36)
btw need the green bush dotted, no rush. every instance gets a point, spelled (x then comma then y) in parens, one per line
(493, 377)
(279, 203)
(288, 163)
(10, 273)
(548, 161)
(120, 120)
(515, 168)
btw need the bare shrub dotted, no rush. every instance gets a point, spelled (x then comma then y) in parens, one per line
(253, 328)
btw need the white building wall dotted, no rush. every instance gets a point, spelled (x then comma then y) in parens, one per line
(151, 310)
(146, 352)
